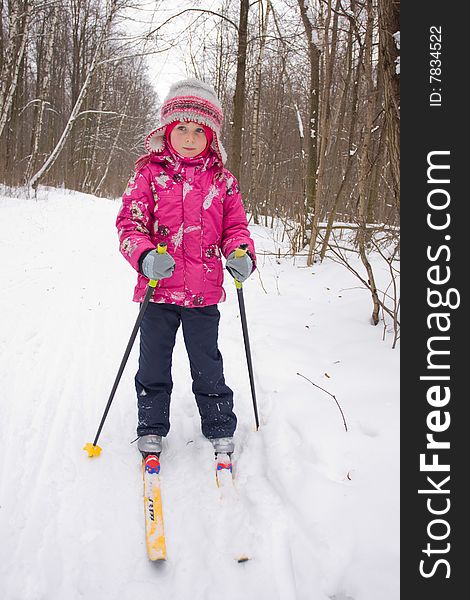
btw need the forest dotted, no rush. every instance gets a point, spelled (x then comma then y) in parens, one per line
(310, 90)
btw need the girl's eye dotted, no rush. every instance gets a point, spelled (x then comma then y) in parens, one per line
(200, 130)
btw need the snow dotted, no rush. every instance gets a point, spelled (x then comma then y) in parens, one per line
(299, 121)
(396, 37)
(315, 507)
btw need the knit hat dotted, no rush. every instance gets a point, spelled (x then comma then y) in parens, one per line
(189, 100)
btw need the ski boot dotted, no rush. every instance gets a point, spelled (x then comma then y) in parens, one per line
(223, 445)
(223, 448)
(150, 445)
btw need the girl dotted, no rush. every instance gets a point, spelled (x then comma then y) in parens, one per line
(182, 195)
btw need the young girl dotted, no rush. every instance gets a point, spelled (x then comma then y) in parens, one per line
(182, 195)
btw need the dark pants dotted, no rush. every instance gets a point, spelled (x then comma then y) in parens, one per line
(153, 380)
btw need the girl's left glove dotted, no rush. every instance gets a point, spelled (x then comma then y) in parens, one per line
(239, 268)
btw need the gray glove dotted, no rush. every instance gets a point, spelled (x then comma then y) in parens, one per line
(239, 268)
(158, 266)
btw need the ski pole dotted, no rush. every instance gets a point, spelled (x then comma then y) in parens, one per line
(93, 449)
(239, 252)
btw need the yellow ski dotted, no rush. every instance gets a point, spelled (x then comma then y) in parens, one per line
(154, 533)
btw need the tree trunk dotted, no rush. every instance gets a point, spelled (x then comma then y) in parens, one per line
(389, 24)
(87, 183)
(239, 97)
(324, 129)
(364, 163)
(255, 155)
(312, 149)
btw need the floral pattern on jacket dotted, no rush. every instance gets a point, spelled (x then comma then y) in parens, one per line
(196, 209)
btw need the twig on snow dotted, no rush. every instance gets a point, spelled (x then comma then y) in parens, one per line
(332, 395)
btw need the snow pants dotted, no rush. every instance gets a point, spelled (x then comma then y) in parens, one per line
(153, 381)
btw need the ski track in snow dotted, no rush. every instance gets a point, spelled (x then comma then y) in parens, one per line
(315, 508)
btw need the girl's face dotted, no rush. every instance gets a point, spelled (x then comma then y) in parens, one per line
(188, 139)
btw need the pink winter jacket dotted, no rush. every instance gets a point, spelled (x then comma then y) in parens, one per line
(196, 208)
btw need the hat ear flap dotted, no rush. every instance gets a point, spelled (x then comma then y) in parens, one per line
(155, 141)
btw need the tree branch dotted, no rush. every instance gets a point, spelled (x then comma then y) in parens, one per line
(203, 10)
(332, 395)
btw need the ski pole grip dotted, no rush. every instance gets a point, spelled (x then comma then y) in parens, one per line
(161, 249)
(241, 250)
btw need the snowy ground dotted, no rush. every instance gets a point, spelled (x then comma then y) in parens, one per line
(317, 507)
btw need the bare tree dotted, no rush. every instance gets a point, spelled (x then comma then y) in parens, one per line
(239, 96)
(20, 18)
(35, 179)
(255, 144)
(50, 20)
(351, 78)
(329, 53)
(364, 162)
(312, 138)
(389, 26)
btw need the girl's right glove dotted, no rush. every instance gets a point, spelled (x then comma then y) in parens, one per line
(239, 268)
(157, 266)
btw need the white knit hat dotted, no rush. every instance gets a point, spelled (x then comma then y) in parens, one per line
(189, 100)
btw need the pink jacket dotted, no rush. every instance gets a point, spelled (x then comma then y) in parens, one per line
(197, 210)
